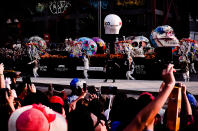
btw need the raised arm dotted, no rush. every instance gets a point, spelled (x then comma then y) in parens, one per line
(2, 80)
(147, 114)
(72, 105)
(185, 98)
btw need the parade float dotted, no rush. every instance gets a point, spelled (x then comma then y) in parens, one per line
(148, 54)
(148, 57)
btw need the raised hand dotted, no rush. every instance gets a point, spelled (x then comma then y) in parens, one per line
(32, 88)
(10, 99)
(168, 76)
(1, 68)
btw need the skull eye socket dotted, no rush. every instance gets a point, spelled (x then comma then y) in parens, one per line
(92, 46)
(134, 44)
(140, 44)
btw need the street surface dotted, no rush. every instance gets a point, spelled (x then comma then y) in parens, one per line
(128, 86)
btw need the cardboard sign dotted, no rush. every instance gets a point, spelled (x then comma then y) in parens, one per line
(174, 109)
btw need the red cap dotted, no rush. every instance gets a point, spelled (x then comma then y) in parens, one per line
(56, 99)
(149, 94)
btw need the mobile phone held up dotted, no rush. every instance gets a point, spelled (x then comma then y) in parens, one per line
(84, 86)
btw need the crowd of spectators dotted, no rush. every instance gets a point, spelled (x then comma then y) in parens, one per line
(23, 107)
(17, 57)
(13, 57)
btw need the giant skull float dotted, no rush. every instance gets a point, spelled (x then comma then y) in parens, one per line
(139, 43)
(123, 47)
(36, 46)
(88, 45)
(163, 36)
(112, 24)
(100, 44)
(187, 45)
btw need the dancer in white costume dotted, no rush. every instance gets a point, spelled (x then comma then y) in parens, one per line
(86, 65)
(35, 68)
(131, 67)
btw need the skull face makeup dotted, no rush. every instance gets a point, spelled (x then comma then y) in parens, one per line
(112, 24)
(163, 36)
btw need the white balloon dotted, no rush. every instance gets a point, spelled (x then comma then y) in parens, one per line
(112, 24)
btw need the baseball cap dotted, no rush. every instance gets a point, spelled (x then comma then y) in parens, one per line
(56, 99)
(73, 82)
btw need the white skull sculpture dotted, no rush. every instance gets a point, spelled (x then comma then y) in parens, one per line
(163, 36)
(112, 24)
(139, 43)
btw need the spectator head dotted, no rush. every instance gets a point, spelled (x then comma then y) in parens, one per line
(36, 98)
(38, 118)
(117, 105)
(16, 74)
(144, 99)
(80, 119)
(59, 91)
(56, 99)
(76, 86)
(57, 103)
(73, 82)
(128, 110)
(96, 107)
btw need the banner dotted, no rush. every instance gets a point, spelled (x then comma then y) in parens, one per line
(90, 68)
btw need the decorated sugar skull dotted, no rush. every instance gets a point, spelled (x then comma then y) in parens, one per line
(123, 47)
(163, 36)
(100, 44)
(88, 45)
(38, 41)
(139, 43)
(112, 24)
